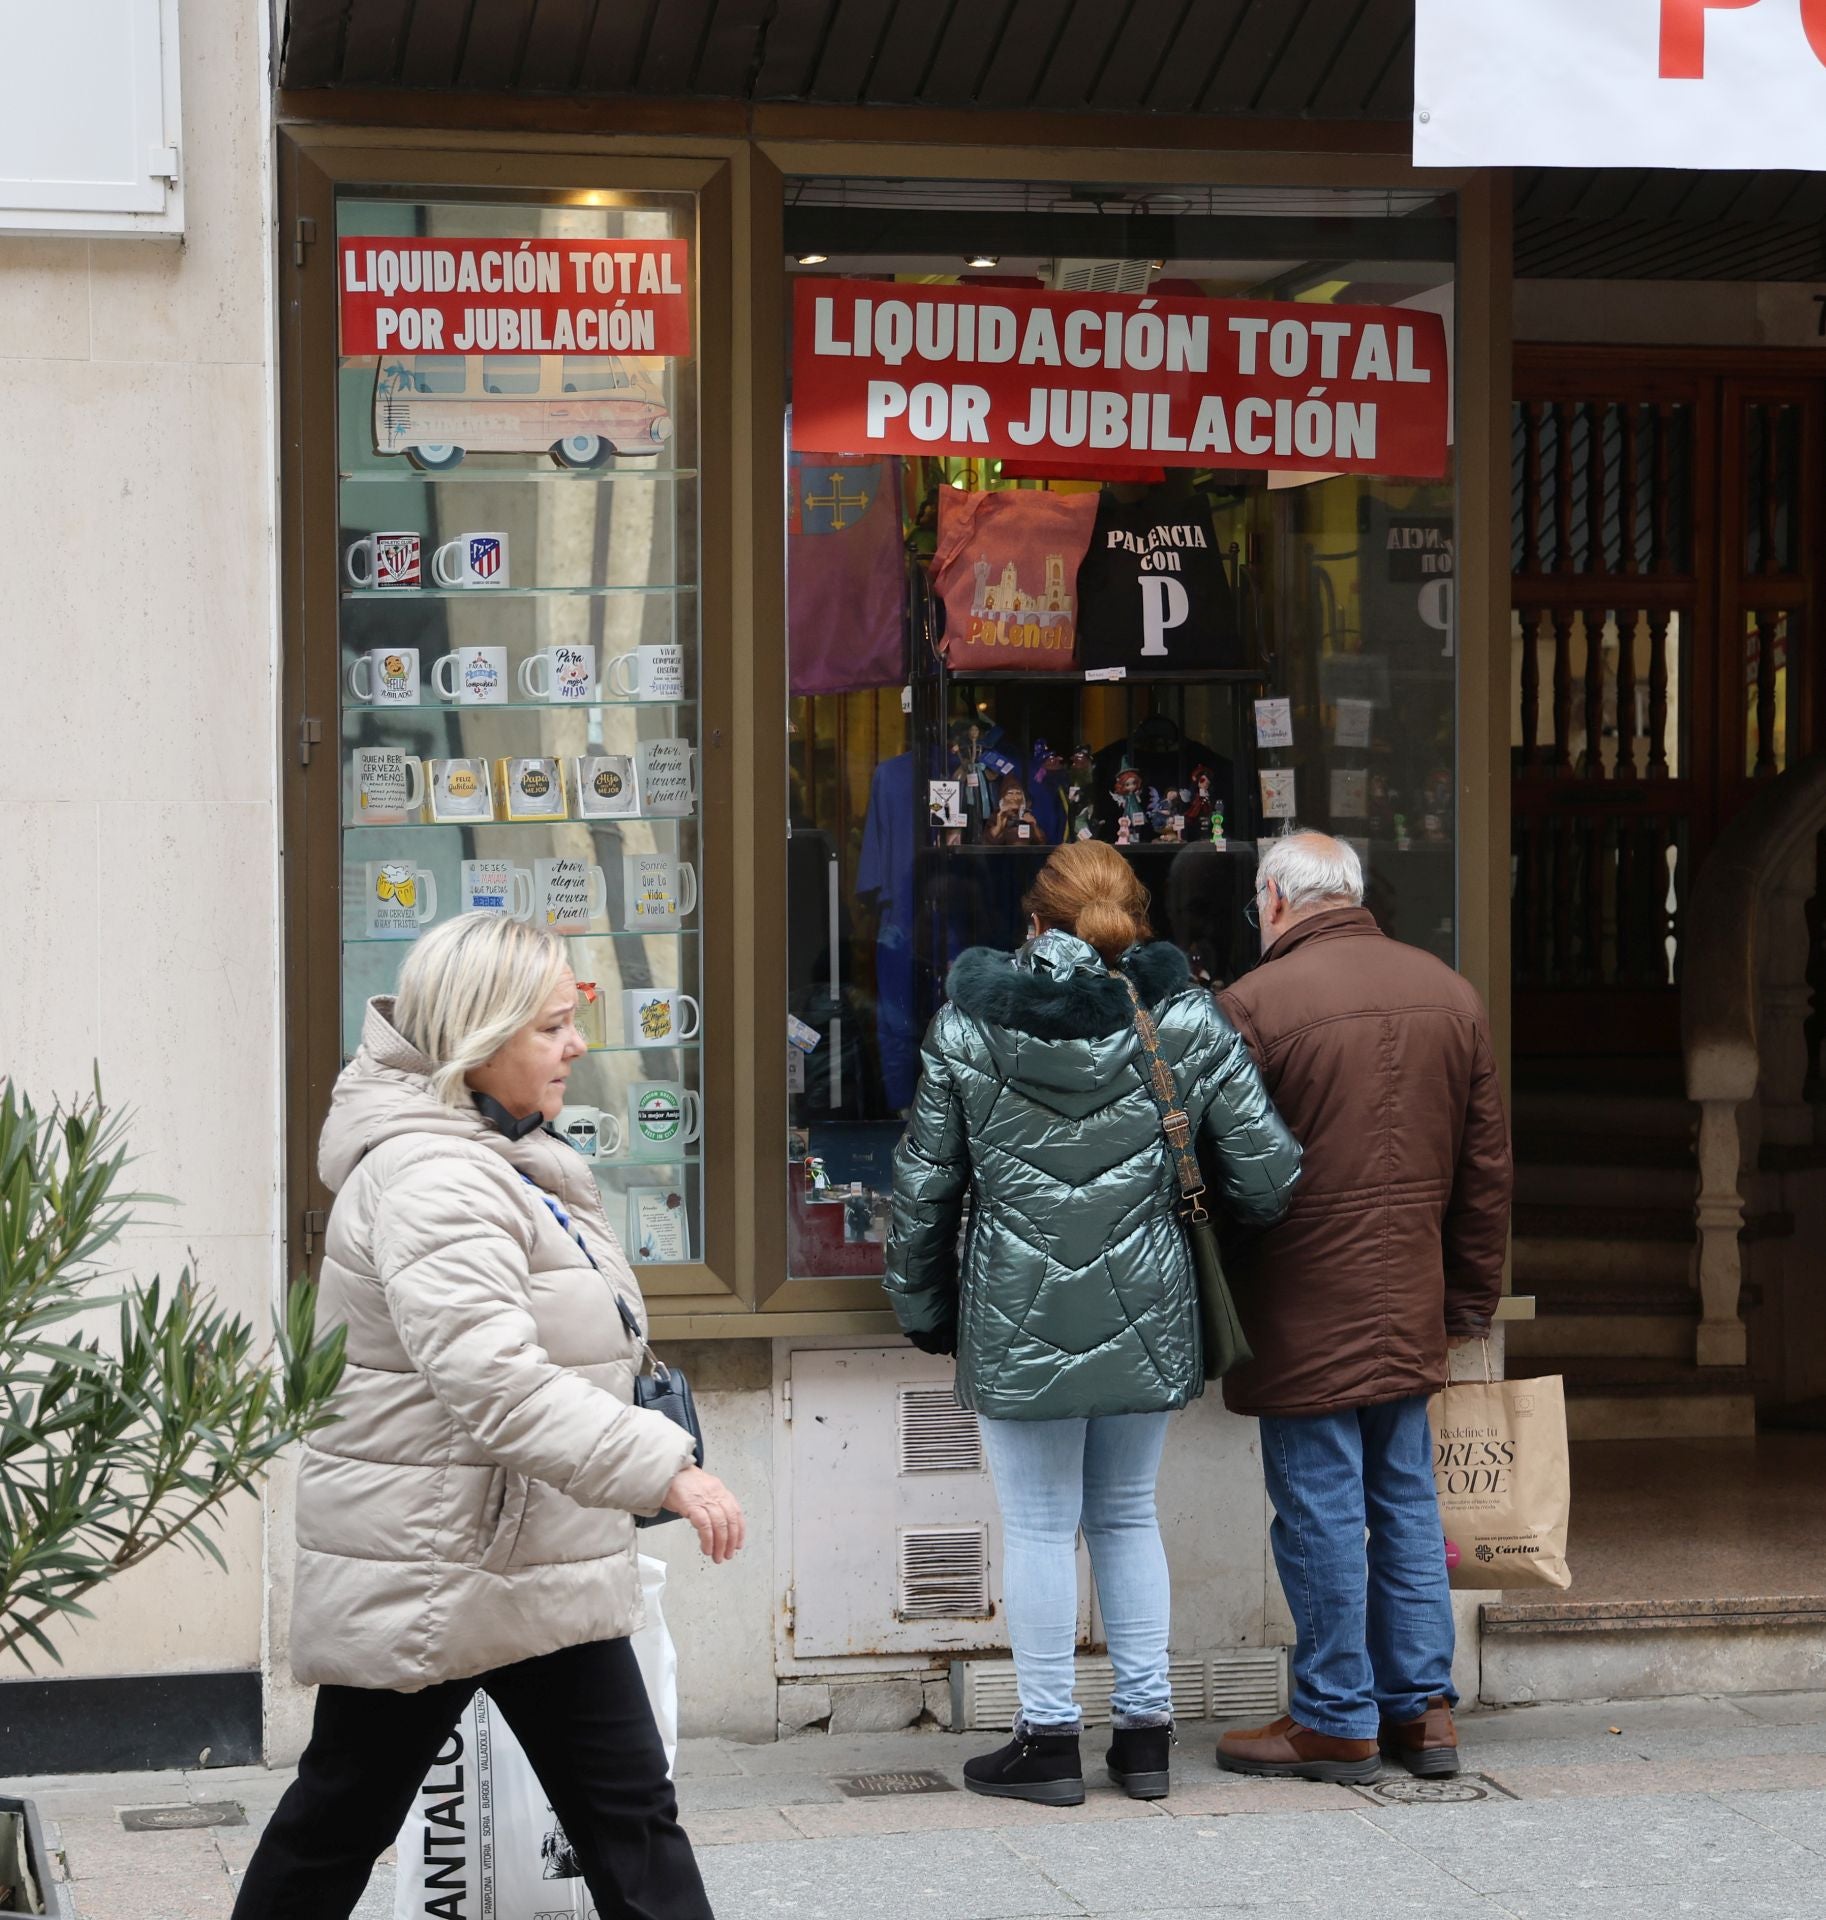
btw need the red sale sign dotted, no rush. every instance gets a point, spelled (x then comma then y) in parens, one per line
(1086, 380)
(513, 296)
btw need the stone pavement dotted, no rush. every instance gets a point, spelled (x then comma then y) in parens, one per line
(1714, 1809)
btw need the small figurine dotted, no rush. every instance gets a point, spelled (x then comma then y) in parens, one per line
(975, 795)
(1217, 826)
(1047, 793)
(1131, 795)
(1198, 803)
(1080, 796)
(1013, 822)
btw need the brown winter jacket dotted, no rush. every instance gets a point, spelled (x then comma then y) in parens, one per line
(1378, 1057)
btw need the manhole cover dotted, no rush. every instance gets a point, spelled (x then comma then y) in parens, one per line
(205, 1813)
(882, 1786)
(1404, 1790)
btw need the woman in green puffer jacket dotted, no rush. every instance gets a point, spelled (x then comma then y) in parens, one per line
(1074, 1317)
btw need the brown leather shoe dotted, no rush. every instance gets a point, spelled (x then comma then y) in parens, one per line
(1285, 1750)
(1427, 1746)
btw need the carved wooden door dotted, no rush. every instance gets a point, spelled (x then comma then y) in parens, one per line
(1664, 580)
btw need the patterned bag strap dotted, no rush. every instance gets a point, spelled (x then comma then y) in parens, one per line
(629, 1322)
(1175, 1123)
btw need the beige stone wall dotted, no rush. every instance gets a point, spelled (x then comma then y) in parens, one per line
(138, 824)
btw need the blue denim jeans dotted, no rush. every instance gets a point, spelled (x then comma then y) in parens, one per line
(1051, 1478)
(1373, 1628)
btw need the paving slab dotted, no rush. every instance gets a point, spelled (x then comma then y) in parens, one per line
(1329, 1857)
(893, 1877)
(1499, 1847)
(715, 1793)
(1797, 1816)
(1788, 1897)
(962, 1813)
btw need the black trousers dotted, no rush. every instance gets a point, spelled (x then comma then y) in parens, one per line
(583, 1718)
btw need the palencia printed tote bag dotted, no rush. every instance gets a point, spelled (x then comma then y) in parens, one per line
(1006, 567)
(1505, 1491)
(481, 1841)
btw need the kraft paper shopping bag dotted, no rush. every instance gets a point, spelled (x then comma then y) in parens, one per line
(1505, 1492)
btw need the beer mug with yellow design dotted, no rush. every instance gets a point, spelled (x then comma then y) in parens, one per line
(401, 899)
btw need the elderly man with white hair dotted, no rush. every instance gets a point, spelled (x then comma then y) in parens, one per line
(1379, 1059)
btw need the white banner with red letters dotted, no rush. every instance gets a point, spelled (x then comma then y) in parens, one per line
(1620, 83)
(1081, 380)
(513, 296)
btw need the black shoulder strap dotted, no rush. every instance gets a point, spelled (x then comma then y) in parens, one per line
(1175, 1123)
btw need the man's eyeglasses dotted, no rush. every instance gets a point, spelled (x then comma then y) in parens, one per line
(1253, 912)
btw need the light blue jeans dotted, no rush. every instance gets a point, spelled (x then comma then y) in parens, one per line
(1051, 1478)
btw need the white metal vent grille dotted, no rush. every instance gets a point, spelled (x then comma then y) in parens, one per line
(936, 1435)
(944, 1573)
(1102, 276)
(1219, 1686)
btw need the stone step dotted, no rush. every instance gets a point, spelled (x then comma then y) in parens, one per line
(1591, 1335)
(1558, 1649)
(1595, 1182)
(1617, 1116)
(1636, 1397)
(1583, 1147)
(1598, 1221)
(1544, 1262)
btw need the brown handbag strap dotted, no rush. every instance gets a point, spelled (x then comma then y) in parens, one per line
(1175, 1123)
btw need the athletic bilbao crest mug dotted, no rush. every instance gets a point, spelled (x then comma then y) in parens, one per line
(664, 1115)
(659, 1016)
(566, 676)
(658, 891)
(460, 790)
(383, 560)
(401, 899)
(497, 886)
(389, 785)
(605, 786)
(534, 789)
(649, 673)
(385, 677)
(471, 560)
(595, 1134)
(472, 677)
(570, 894)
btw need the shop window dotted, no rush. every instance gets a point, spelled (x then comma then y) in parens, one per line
(1184, 654)
(519, 651)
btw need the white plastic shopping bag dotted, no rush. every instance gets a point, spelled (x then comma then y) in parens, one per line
(482, 1841)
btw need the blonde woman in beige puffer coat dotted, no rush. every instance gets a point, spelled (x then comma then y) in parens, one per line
(468, 1522)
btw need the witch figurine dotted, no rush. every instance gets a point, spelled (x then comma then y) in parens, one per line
(1198, 804)
(1046, 792)
(1081, 795)
(975, 792)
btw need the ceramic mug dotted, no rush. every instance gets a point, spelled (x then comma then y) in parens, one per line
(664, 1115)
(667, 778)
(401, 899)
(477, 677)
(383, 560)
(649, 673)
(533, 788)
(497, 886)
(460, 790)
(595, 1134)
(471, 560)
(566, 676)
(569, 894)
(605, 786)
(658, 891)
(659, 1016)
(389, 785)
(385, 677)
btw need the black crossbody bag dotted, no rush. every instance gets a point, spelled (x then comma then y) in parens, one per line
(1223, 1341)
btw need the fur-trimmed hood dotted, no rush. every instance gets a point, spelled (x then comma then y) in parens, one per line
(1058, 988)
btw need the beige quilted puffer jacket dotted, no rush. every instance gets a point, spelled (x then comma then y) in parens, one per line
(473, 1505)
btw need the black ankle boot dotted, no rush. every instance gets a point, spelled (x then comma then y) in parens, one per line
(1139, 1760)
(1033, 1766)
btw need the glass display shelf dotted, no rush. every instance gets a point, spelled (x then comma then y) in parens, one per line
(410, 594)
(668, 1046)
(619, 1162)
(466, 826)
(395, 709)
(645, 933)
(496, 476)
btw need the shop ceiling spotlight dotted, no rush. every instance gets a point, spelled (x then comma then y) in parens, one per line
(813, 259)
(983, 260)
